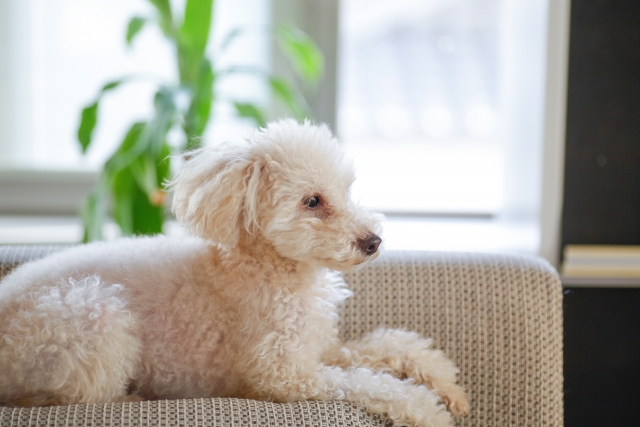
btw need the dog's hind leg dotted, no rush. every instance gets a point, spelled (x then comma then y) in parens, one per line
(68, 343)
(405, 355)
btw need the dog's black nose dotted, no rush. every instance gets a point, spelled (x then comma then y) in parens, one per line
(369, 245)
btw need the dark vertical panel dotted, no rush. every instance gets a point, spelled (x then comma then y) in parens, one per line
(602, 206)
(602, 177)
(602, 357)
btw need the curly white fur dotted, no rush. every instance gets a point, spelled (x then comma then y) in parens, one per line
(247, 308)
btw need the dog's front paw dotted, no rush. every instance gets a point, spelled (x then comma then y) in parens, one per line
(455, 399)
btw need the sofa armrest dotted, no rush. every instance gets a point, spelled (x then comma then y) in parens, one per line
(11, 256)
(498, 317)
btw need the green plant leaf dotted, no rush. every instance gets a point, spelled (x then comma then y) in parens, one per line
(88, 120)
(120, 178)
(122, 194)
(194, 35)
(197, 117)
(166, 111)
(144, 172)
(148, 209)
(89, 116)
(131, 138)
(163, 165)
(92, 214)
(248, 110)
(135, 182)
(293, 100)
(147, 218)
(166, 16)
(135, 25)
(196, 25)
(131, 146)
(112, 85)
(132, 209)
(114, 183)
(302, 52)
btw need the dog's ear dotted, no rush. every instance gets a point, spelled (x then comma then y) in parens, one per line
(215, 195)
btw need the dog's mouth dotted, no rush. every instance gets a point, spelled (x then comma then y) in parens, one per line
(367, 258)
(349, 264)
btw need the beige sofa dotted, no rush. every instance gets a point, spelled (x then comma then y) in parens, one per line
(499, 317)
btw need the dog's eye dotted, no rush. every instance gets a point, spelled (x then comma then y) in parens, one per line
(312, 202)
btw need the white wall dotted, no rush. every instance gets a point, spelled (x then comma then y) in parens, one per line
(15, 105)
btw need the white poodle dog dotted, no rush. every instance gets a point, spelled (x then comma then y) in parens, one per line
(247, 308)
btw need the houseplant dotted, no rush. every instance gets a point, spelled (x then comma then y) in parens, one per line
(133, 178)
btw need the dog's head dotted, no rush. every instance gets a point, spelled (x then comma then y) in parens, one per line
(289, 188)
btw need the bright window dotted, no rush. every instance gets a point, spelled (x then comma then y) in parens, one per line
(430, 103)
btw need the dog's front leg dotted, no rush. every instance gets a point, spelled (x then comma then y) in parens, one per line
(403, 401)
(405, 355)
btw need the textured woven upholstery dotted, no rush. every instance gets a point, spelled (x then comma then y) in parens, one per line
(498, 317)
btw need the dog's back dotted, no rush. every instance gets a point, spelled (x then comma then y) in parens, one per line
(70, 323)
